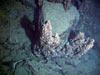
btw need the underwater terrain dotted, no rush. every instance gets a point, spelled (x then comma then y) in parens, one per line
(49, 37)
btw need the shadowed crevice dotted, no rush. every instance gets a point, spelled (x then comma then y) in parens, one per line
(30, 31)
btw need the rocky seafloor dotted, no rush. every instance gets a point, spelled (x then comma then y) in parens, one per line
(21, 51)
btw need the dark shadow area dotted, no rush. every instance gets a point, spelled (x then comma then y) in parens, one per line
(37, 14)
(32, 34)
(26, 3)
(77, 3)
(32, 29)
(96, 46)
(27, 25)
(72, 34)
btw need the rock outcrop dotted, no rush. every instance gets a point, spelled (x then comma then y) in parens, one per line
(76, 46)
(60, 19)
(47, 37)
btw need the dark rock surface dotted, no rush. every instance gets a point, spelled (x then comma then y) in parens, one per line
(16, 40)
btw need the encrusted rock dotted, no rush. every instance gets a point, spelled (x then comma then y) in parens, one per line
(76, 46)
(47, 37)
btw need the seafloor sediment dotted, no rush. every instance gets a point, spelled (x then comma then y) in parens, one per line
(19, 20)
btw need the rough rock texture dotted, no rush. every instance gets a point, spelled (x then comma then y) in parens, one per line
(47, 37)
(16, 57)
(76, 46)
(89, 22)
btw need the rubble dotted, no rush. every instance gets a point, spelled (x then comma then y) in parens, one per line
(79, 45)
(47, 37)
(76, 46)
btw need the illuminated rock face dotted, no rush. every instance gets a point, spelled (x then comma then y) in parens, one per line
(76, 46)
(47, 36)
(61, 19)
